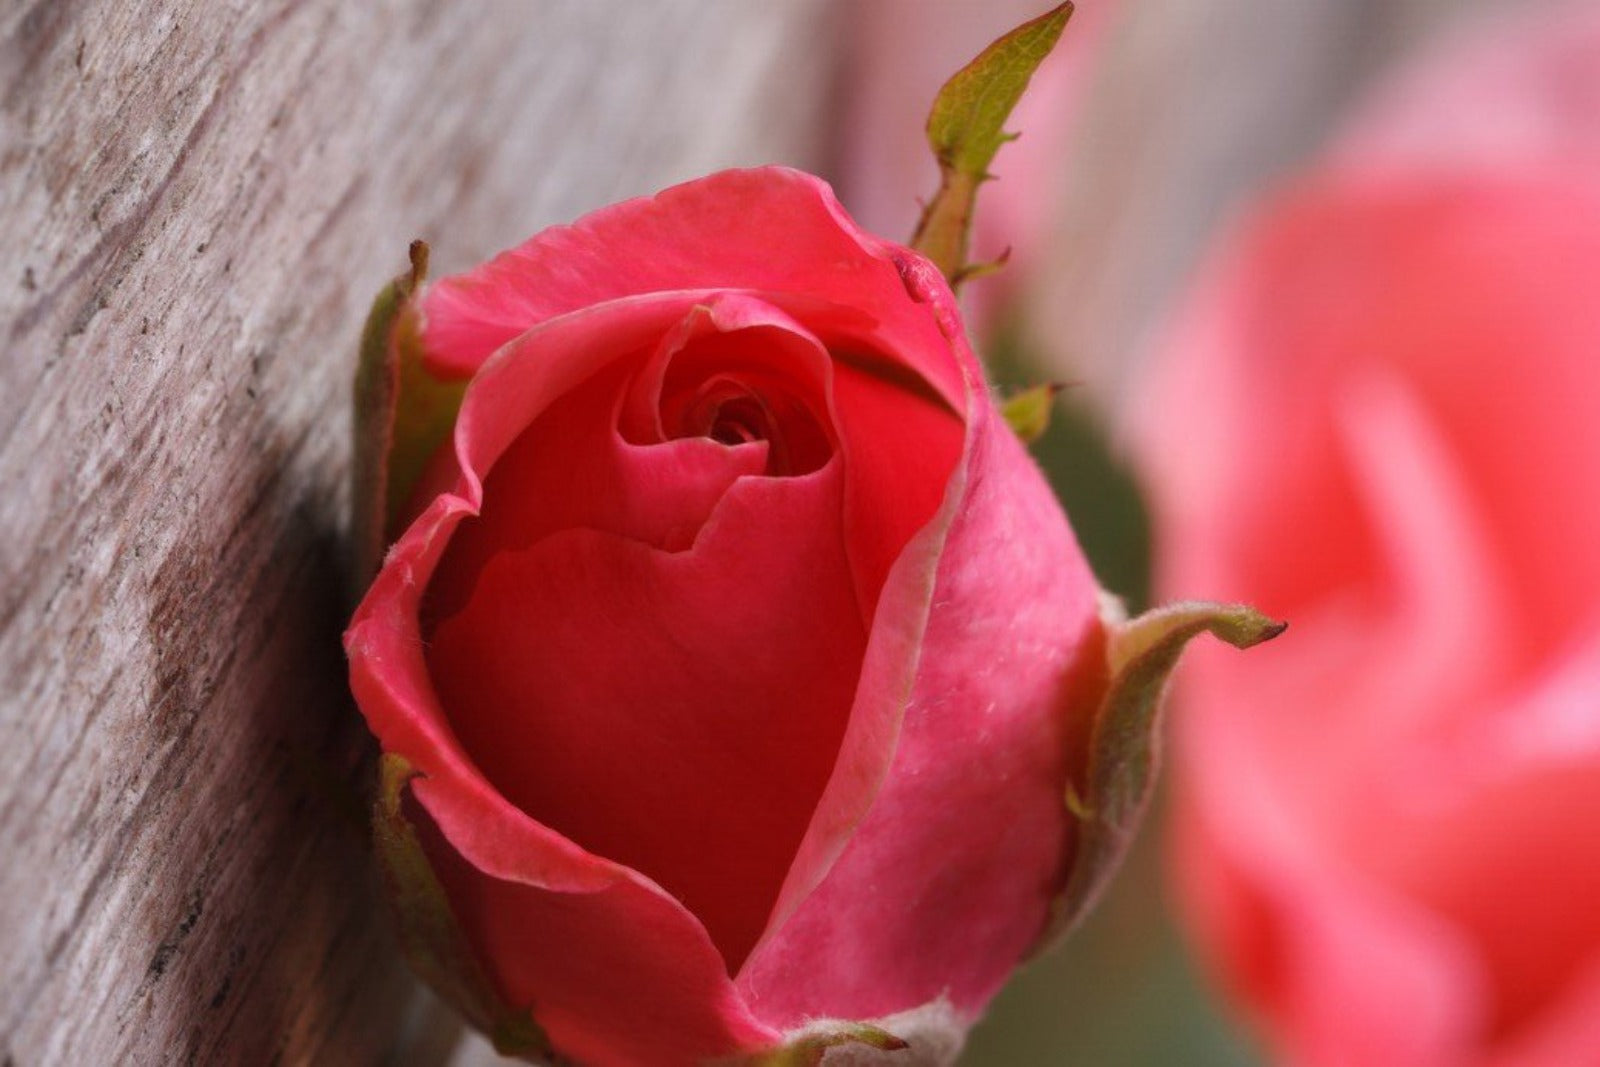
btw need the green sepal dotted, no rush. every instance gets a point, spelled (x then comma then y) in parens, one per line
(1027, 411)
(807, 1049)
(429, 933)
(1124, 745)
(966, 127)
(402, 414)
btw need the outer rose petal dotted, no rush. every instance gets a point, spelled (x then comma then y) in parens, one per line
(949, 880)
(776, 231)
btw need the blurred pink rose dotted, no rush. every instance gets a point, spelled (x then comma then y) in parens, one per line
(1380, 417)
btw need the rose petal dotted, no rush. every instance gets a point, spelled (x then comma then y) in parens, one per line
(745, 344)
(900, 452)
(613, 976)
(1323, 961)
(512, 599)
(571, 469)
(777, 231)
(655, 707)
(950, 877)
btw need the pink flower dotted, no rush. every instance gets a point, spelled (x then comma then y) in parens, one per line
(1380, 416)
(737, 645)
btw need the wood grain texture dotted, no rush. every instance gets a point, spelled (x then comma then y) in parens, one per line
(198, 200)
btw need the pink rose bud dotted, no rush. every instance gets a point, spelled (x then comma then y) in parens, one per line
(738, 660)
(742, 690)
(1389, 839)
(737, 647)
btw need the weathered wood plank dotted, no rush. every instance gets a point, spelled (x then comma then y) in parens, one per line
(198, 199)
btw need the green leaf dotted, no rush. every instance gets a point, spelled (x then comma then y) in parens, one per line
(967, 127)
(402, 414)
(1140, 655)
(1028, 410)
(429, 933)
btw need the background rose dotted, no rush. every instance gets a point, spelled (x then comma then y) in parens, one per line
(1379, 417)
(725, 489)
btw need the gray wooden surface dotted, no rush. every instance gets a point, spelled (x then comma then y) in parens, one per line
(197, 201)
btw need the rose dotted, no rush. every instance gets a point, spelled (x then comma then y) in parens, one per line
(737, 675)
(1387, 841)
(736, 645)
